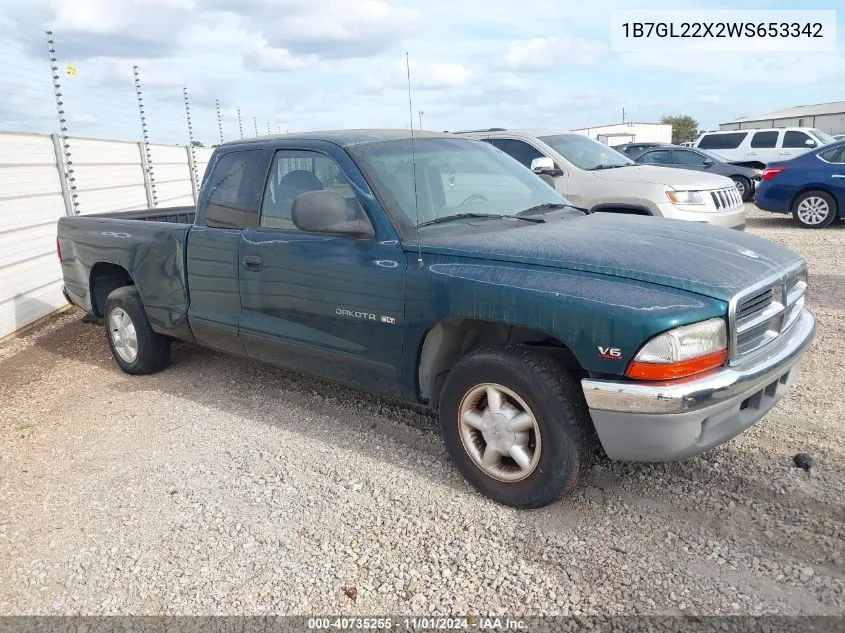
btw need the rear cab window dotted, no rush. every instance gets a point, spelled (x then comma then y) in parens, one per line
(231, 191)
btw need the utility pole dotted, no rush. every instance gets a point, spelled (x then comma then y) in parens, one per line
(420, 113)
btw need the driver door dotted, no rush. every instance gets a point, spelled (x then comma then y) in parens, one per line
(327, 305)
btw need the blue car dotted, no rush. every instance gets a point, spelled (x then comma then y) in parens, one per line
(811, 186)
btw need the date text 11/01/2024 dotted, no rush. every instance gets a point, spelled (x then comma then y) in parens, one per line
(418, 623)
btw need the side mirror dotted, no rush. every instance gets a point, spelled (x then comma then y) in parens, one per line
(810, 142)
(546, 178)
(708, 162)
(326, 212)
(544, 165)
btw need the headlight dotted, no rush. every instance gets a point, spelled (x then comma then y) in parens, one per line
(685, 197)
(682, 352)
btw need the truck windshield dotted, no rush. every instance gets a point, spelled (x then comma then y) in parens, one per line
(586, 153)
(453, 177)
(823, 137)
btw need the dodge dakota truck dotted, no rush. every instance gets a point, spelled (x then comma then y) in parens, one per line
(439, 270)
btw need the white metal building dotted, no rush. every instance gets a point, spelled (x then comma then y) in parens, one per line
(34, 194)
(630, 132)
(827, 117)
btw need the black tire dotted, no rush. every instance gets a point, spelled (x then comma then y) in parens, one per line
(743, 185)
(557, 403)
(832, 209)
(153, 350)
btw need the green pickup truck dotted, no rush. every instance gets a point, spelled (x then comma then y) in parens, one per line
(442, 272)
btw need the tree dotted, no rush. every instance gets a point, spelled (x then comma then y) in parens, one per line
(684, 127)
(197, 144)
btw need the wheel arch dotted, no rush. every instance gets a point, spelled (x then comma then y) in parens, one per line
(102, 280)
(817, 187)
(452, 338)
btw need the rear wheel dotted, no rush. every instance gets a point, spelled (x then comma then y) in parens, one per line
(133, 343)
(516, 425)
(814, 209)
(743, 187)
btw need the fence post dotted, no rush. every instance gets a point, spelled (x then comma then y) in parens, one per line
(60, 166)
(192, 168)
(148, 181)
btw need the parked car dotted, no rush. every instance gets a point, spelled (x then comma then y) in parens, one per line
(635, 149)
(811, 187)
(839, 137)
(598, 178)
(756, 148)
(442, 272)
(745, 178)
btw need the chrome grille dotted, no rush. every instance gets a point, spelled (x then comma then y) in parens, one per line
(760, 315)
(725, 198)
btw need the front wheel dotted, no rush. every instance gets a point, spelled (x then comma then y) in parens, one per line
(133, 343)
(516, 425)
(743, 187)
(814, 209)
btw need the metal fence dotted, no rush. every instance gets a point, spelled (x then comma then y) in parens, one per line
(35, 191)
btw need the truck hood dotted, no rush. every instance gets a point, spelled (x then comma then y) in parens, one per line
(700, 258)
(678, 179)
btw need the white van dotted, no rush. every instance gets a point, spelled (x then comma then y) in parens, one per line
(755, 148)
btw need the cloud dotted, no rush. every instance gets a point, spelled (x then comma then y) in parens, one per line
(541, 53)
(271, 59)
(329, 29)
(424, 76)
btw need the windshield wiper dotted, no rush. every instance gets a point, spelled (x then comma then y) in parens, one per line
(464, 216)
(597, 167)
(541, 208)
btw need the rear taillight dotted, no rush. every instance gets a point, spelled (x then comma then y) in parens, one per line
(771, 172)
(59, 249)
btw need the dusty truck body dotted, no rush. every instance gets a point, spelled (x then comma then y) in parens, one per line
(444, 273)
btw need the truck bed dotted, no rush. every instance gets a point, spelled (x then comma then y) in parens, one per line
(174, 215)
(145, 248)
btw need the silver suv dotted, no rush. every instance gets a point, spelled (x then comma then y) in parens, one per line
(598, 178)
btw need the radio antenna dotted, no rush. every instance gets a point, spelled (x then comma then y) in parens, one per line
(414, 161)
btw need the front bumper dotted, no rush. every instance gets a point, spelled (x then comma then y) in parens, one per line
(638, 421)
(732, 219)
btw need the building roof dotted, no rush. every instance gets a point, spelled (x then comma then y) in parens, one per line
(836, 107)
(345, 138)
(595, 127)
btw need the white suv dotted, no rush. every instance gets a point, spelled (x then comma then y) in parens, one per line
(755, 148)
(598, 178)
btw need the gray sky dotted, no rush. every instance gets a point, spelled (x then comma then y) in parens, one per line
(303, 65)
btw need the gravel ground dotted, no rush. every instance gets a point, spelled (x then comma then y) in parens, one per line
(226, 486)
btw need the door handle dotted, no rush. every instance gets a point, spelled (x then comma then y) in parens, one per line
(252, 262)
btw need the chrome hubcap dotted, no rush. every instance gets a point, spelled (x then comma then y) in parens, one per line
(813, 210)
(740, 187)
(499, 432)
(123, 335)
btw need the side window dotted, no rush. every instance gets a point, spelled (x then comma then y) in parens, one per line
(230, 194)
(723, 140)
(657, 157)
(797, 139)
(686, 157)
(835, 155)
(520, 150)
(295, 172)
(764, 139)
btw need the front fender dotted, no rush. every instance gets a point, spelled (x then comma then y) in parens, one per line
(584, 311)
